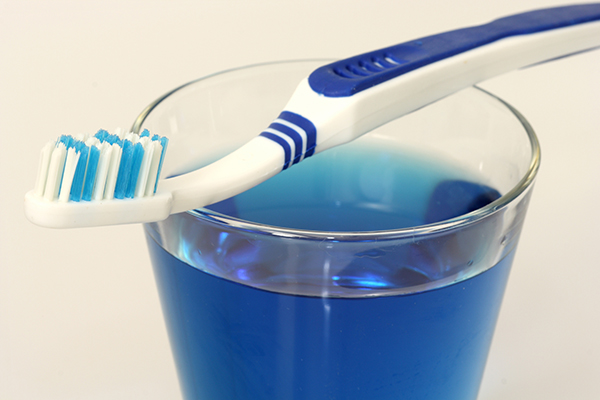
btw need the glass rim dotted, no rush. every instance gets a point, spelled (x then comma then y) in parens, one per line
(453, 223)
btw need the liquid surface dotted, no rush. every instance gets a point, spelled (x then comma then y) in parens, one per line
(361, 188)
(254, 317)
(336, 193)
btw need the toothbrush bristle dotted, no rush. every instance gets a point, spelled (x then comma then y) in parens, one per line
(100, 167)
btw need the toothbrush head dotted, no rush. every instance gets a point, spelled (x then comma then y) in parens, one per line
(79, 173)
(100, 167)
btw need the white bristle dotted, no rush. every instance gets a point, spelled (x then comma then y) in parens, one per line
(140, 188)
(102, 171)
(42, 176)
(120, 132)
(132, 137)
(59, 165)
(113, 171)
(153, 169)
(55, 170)
(68, 173)
(92, 141)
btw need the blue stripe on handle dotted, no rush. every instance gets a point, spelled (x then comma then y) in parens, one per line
(284, 145)
(306, 126)
(292, 134)
(352, 75)
(300, 123)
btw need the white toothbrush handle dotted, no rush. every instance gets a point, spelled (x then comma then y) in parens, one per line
(336, 104)
(253, 163)
(54, 214)
(341, 119)
(345, 99)
(379, 86)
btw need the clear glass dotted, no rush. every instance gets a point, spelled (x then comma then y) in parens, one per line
(319, 284)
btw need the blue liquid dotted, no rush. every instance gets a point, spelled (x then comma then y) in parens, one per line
(234, 340)
(361, 188)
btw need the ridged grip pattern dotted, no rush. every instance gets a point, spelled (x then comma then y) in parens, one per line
(352, 75)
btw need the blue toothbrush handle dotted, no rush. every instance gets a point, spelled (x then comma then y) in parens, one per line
(352, 75)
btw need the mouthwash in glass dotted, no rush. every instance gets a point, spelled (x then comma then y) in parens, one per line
(250, 318)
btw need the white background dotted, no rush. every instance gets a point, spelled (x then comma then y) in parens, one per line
(79, 312)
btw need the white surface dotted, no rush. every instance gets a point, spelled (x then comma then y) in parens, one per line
(79, 313)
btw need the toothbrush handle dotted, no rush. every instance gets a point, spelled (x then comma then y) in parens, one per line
(312, 122)
(355, 74)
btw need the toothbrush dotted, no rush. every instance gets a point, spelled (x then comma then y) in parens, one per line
(334, 105)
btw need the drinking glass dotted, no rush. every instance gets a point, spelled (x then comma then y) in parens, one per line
(374, 270)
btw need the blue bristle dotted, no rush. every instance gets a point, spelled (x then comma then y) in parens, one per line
(112, 139)
(136, 163)
(101, 135)
(77, 185)
(67, 140)
(104, 136)
(90, 176)
(132, 156)
(124, 169)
